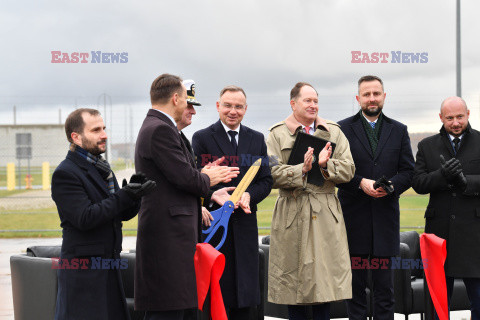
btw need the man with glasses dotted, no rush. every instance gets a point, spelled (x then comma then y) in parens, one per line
(241, 146)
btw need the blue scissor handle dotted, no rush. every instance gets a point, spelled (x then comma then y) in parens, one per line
(220, 219)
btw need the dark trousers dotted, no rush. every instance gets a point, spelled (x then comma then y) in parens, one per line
(473, 291)
(382, 278)
(238, 313)
(319, 312)
(164, 315)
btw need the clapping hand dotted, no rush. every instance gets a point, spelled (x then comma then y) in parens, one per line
(138, 186)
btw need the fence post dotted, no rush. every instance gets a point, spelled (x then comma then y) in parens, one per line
(10, 176)
(45, 175)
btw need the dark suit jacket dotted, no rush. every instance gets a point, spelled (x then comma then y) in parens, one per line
(451, 214)
(91, 220)
(167, 224)
(240, 288)
(373, 225)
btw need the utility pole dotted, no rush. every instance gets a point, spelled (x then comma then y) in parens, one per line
(109, 125)
(459, 54)
(14, 115)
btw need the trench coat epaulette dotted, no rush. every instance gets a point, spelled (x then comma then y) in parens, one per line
(276, 125)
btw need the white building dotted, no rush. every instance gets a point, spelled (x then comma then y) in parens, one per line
(39, 142)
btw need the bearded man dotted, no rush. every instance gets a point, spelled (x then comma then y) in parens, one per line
(380, 146)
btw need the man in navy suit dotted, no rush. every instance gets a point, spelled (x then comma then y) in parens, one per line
(380, 146)
(91, 208)
(241, 146)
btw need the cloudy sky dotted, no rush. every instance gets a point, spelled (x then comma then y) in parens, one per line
(265, 46)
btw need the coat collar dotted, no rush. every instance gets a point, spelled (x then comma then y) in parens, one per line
(448, 144)
(155, 113)
(89, 170)
(221, 138)
(293, 125)
(385, 132)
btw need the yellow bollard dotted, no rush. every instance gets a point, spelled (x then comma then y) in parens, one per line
(45, 175)
(10, 176)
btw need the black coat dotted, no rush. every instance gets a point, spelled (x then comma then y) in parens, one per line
(239, 282)
(451, 214)
(168, 218)
(373, 225)
(91, 220)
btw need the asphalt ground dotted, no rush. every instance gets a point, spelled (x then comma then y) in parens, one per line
(9, 247)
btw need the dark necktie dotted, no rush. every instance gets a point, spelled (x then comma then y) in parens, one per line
(233, 141)
(456, 143)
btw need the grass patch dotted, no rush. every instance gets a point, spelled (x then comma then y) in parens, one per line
(412, 208)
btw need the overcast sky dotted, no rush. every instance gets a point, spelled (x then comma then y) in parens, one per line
(264, 46)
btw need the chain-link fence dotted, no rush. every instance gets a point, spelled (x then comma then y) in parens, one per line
(32, 146)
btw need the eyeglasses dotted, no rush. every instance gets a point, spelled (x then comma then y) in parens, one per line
(230, 106)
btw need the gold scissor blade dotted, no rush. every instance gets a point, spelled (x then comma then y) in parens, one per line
(247, 179)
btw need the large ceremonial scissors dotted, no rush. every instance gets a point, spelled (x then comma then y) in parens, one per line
(222, 216)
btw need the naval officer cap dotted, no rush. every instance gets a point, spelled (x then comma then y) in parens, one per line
(190, 85)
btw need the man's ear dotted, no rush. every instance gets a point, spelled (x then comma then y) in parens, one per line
(175, 99)
(77, 138)
(292, 104)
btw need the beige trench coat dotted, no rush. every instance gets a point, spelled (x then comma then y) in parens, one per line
(309, 260)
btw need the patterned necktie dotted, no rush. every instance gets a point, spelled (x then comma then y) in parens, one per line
(233, 141)
(372, 124)
(307, 130)
(456, 143)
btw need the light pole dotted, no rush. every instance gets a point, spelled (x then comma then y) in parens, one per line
(459, 54)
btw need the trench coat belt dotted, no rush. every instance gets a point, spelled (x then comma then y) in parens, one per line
(310, 195)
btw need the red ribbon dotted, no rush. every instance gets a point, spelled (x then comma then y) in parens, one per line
(434, 252)
(209, 265)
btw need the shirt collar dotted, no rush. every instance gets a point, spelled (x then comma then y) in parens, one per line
(168, 116)
(369, 120)
(452, 137)
(237, 130)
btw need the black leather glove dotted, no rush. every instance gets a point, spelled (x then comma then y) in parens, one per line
(450, 169)
(137, 190)
(138, 177)
(385, 184)
(453, 172)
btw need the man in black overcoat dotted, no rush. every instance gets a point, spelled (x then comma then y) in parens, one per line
(380, 146)
(448, 167)
(91, 208)
(165, 284)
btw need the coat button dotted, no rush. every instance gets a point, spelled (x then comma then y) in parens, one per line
(454, 194)
(452, 217)
(374, 163)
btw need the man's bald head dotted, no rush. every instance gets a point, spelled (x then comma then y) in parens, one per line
(454, 115)
(453, 100)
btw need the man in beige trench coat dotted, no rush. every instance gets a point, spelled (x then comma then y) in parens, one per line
(309, 261)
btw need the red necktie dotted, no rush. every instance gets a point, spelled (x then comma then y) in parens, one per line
(434, 253)
(209, 265)
(307, 130)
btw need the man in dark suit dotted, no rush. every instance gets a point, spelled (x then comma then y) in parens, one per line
(91, 208)
(241, 146)
(380, 146)
(167, 228)
(448, 167)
